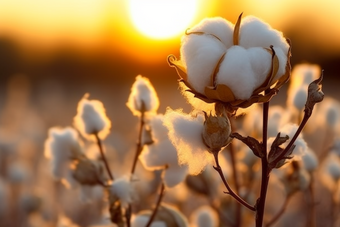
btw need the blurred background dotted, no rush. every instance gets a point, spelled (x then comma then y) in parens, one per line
(53, 52)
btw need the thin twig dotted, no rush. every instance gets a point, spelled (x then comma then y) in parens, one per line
(230, 191)
(138, 145)
(134, 164)
(103, 156)
(154, 213)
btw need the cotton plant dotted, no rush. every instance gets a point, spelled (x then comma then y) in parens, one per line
(228, 67)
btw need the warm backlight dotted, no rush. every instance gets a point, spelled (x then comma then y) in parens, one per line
(162, 19)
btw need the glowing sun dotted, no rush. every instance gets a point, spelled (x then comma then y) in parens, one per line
(162, 19)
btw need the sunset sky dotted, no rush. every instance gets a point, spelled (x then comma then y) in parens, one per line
(144, 32)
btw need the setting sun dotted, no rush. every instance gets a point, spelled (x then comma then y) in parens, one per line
(162, 19)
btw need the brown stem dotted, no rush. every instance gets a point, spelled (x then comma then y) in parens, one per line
(230, 191)
(99, 143)
(134, 164)
(154, 213)
(280, 213)
(291, 142)
(265, 170)
(139, 144)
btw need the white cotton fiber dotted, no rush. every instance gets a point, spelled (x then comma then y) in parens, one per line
(185, 132)
(175, 175)
(217, 26)
(142, 220)
(256, 33)
(260, 61)
(236, 72)
(310, 161)
(123, 189)
(300, 98)
(204, 216)
(200, 54)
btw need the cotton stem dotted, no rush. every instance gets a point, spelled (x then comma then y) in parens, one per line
(99, 143)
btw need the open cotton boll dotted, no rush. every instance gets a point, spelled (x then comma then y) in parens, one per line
(310, 161)
(236, 72)
(124, 190)
(204, 216)
(256, 33)
(158, 130)
(157, 156)
(304, 74)
(143, 97)
(260, 60)
(200, 54)
(217, 26)
(300, 98)
(142, 220)
(91, 119)
(174, 175)
(61, 146)
(333, 168)
(185, 132)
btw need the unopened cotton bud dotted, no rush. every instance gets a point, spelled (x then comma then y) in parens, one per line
(216, 132)
(91, 118)
(88, 172)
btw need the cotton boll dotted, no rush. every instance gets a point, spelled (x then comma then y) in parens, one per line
(174, 175)
(277, 117)
(158, 130)
(91, 119)
(61, 146)
(142, 220)
(236, 72)
(123, 189)
(300, 98)
(310, 161)
(200, 54)
(143, 97)
(157, 156)
(261, 61)
(185, 132)
(333, 168)
(256, 33)
(204, 216)
(304, 74)
(218, 27)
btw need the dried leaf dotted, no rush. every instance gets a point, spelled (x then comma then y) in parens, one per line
(237, 30)
(220, 93)
(178, 65)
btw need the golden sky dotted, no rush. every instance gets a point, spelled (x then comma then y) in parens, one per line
(45, 24)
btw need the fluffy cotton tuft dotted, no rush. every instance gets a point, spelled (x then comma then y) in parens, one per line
(200, 54)
(142, 220)
(204, 216)
(162, 154)
(217, 26)
(142, 92)
(61, 146)
(185, 132)
(333, 168)
(123, 189)
(310, 161)
(256, 33)
(91, 119)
